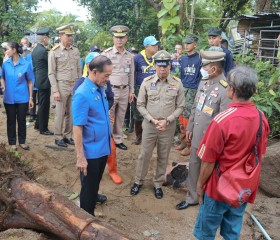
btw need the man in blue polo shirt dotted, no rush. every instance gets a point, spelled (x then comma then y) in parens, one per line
(91, 128)
(143, 67)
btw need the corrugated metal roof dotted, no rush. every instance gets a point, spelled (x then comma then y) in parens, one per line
(268, 15)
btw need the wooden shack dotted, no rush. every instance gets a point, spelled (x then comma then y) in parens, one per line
(259, 33)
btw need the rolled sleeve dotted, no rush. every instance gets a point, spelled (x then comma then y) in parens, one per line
(80, 108)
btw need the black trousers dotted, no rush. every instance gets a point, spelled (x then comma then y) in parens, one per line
(16, 114)
(42, 120)
(90, 183)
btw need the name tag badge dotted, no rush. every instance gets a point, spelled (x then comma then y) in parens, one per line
(127, 70)
(201, 101)
(171, 88)
(208, 110)
(153, 86)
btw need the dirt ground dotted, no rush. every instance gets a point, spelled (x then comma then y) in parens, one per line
(140, 217)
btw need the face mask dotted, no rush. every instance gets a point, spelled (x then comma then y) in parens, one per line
(204, 73)
(24, 48)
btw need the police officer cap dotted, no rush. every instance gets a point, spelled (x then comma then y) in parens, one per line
(44, 31)
(211, 56)
(119, 30)
(214, 31)
(67, 29)
(190, 38)
(4, 45)
(94, 48)
(162, 58)
(133, 50)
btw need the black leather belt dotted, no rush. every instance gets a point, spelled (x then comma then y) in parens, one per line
(119, 86)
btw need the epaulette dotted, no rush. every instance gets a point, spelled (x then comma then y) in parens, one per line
(223, 83)
(108, 49)
(148, 78)
(55, 47)
(176, 78)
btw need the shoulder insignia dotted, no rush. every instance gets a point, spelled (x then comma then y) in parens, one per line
(108, 49)
(55, 47)
(148, 78)
(176, 78)
(223, 83)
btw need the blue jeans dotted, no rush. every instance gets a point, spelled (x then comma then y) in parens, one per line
(213, 214)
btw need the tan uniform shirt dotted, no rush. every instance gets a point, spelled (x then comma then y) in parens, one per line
(63, 65)
(123, 68)
(211, 99)
(161, 99)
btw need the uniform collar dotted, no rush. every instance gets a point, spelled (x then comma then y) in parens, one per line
(169, 78)
(91, 85)
(241, 104)
(62, 47)
(216, 79)
(115, 50)
(20, 61)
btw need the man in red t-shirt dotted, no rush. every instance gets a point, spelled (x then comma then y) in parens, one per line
(230, 136)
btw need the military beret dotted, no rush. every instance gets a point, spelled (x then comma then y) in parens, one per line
(162, 58)
(150, 40)
(44, 31)
(119, 30)
(133, 49)
(190, 38)
(214, 31)
(211, 56)
(67, 29)
(94, 48)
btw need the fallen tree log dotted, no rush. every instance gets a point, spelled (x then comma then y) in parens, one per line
(26, 204)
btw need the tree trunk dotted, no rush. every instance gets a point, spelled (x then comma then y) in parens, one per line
(30, 205)
(263, 5)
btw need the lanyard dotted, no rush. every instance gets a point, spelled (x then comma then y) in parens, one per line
(150, 64)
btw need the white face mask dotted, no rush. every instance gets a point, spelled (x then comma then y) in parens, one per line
(204, 73)
(24, 48)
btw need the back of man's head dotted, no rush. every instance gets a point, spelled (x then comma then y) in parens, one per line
(244, 80)
(99, 63)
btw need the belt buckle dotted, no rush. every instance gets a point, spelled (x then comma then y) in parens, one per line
(121, 86)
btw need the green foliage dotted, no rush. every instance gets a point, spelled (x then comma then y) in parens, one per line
(267, 98)
(168, 18)
(15, 16)
(137, 15)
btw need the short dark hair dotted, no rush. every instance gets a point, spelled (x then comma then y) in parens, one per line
(99, 62)
(244, 81)
(17, 46)
(219, 65)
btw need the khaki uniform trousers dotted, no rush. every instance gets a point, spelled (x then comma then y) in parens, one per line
(63, 111)
(194, 170)
(118, 111)
(150, 138)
